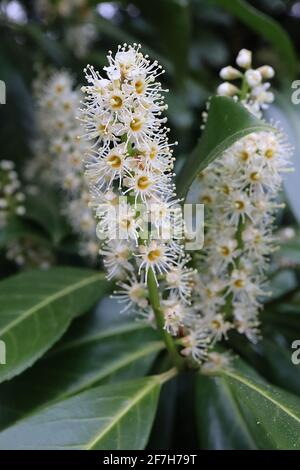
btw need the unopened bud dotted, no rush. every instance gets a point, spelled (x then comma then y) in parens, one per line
(266, 71)
(244, 59)
(227, 89)
(230, 73)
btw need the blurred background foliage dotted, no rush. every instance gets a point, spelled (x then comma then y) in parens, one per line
(192, 39)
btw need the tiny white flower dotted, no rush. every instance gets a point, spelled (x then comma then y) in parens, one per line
(156, 256)
(132, 293)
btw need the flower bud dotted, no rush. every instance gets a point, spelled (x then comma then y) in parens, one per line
(230, 73)
(244, 59)
(266, 72)
(227, 89)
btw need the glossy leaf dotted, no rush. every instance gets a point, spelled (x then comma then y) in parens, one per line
(37, 307)
(272, 414)
(266, 27)
(227, 122)
(114, 416)
(280, 369)
(221, 425)
(282, 283)
(84, 358)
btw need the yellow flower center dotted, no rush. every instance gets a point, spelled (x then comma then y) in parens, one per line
(139, 86)
(244, 155)
(102, 129)
(153, 153)
(154, 255)
(255, 176)
(124, 70)
(240, 205)
(67, 106)
(114, 161)
(143, 182)
(225, 250)
(136, 124)
(59, 88)
(269, 153)
(239, 283)
(216, 324)
(116, 102)
(206, 199)
(125, 223)
(226, 189)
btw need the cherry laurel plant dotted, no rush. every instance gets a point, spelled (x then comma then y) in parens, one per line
(129, 167)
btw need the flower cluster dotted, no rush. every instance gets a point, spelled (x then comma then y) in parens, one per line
(254, 92)
(130, 170)
(60, 149)
(240, 192)
(11, 198)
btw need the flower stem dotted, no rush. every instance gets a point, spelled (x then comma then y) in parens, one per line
(167, 338)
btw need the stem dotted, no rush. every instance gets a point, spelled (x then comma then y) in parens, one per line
(244, 89)
(160, 322)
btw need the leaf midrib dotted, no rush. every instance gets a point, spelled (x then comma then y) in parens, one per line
(48, 300)
(139, 396)
(154, 346)
(219, 149)
(235, 405)
(257, 389)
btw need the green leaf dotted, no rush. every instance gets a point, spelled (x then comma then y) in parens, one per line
(36, 309)
(282, 283)
(221, 425)
(227, 122)
(115, 416)
(89, 355)
(279, 367)
(268, 28)
(272, 415)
